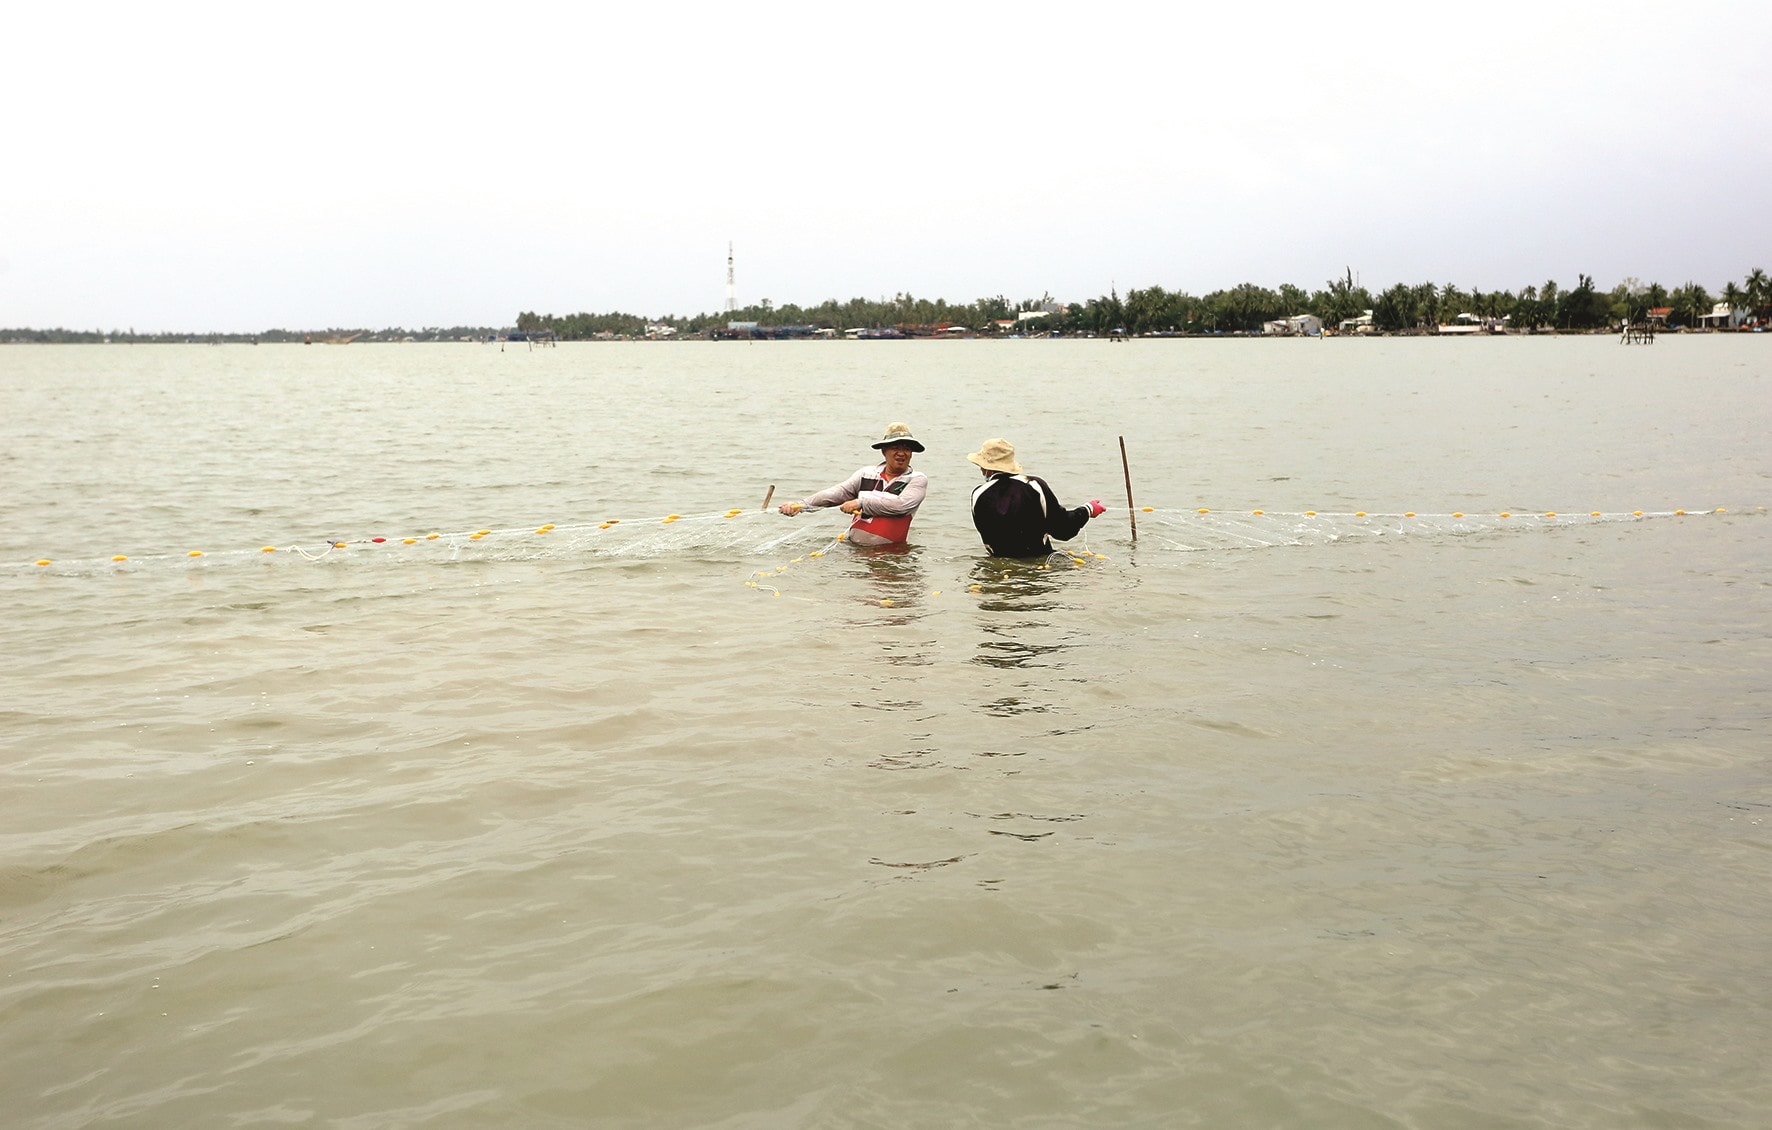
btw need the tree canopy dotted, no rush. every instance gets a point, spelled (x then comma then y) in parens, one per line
(1400, 308)
(1153, 310)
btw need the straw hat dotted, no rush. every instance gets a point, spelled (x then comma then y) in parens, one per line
(897, 434)
(996, 455)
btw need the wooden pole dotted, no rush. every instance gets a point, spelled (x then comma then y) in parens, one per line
(769, 496)
(1131, 511)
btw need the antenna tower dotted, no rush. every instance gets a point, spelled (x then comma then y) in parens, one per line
(731, 285)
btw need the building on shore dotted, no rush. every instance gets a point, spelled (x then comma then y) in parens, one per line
(1474, 324)
(1723, 316)
(1298, 325)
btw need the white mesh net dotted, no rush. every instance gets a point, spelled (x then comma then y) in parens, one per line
(737, 535)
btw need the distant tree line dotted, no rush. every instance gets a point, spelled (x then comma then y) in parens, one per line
(1401, 308)
(130, 337)
(901, 309)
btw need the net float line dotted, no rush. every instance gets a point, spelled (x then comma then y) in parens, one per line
(1207, 528)
(721, 529)
(762, 578)
(1200, 528)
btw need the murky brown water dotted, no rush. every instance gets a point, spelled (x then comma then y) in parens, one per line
(1269, 820)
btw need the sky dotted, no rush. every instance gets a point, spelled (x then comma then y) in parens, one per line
(241, 167)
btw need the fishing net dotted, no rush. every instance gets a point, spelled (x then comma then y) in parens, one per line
(1206, 529)
(737, 535)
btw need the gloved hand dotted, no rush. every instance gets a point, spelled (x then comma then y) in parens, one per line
(1096, 509)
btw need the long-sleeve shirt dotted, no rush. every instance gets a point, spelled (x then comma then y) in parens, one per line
(886, 507)
(1018, 516)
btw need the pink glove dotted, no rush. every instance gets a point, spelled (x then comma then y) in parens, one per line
(1096, 509)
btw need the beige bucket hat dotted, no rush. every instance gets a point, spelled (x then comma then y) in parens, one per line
(996, 455)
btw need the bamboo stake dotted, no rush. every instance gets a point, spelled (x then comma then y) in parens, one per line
(769, 496)
(1131, 511)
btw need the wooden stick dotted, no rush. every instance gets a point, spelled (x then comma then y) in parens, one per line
(769, 496)
(1131, 511)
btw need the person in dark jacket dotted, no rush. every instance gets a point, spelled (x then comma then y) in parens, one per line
(1017, 514)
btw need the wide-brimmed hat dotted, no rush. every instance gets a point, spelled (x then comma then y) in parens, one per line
(899, 434)
(996, 455)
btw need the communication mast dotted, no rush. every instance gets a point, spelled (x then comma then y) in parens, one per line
(731, 285)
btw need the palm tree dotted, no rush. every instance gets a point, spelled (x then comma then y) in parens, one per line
(1690, 303)
(1449, 302)
(1550, 296)
(1426, 300)
(1395, 309)
(1757, 291)
(1735, 297)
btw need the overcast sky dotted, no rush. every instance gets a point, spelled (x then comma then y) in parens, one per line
(239, 167)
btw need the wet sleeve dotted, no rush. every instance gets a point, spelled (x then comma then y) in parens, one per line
(838, 494)
(1061, 523)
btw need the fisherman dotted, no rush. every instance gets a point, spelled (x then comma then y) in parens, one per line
(882, 497)
(1017, 514)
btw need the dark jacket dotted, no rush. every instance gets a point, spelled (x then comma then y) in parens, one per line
(1018, 515)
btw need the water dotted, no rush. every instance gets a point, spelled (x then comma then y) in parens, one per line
(1374, 822)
